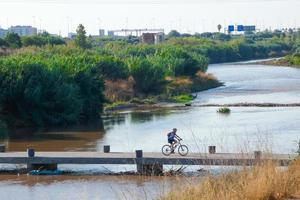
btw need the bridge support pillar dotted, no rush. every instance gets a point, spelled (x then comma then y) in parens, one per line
(31, 166)
(153, 169)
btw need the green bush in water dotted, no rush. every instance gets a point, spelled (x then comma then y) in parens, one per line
(224, 110)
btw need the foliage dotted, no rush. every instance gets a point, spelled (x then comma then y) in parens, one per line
(3, 43)
(293, 60)
(81, 39)
(184, 98)
(224, 110)
(41, 40)
(173, 33)
(13, 40)
(41, 90)
(113, 68)
(148, 78)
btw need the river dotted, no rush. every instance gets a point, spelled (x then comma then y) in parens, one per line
(244, 129)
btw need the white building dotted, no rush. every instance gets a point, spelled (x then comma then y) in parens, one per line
(72, 35)
(23, 30)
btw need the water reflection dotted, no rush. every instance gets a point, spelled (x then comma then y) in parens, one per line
(79, 138)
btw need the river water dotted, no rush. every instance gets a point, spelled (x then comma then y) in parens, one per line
(244, 129)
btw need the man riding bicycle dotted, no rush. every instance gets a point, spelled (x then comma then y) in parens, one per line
(173, 137)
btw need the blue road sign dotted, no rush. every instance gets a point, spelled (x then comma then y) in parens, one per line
(240, 28)
(230, 28)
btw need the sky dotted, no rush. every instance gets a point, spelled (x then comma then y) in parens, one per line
(188, 16)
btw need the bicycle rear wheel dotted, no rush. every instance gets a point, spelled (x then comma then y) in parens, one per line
(183, 150)
(166, 150)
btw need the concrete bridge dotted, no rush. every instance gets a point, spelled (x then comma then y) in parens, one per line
(147, 162)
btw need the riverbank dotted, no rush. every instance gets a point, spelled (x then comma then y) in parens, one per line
(176, 91)
(278, 62)
(264, 181)
(127, 106)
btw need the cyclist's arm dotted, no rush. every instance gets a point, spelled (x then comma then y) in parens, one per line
(178, 137)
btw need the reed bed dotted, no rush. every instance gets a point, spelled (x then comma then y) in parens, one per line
(266, 181)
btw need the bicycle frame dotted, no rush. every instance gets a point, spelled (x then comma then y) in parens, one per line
(177, 144)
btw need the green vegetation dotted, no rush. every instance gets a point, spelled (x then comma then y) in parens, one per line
(185, 98)
(80, 40)
(49, 88)
(293, 60)
(224, 110)
(13, 40)
(116, 105)
(41, 40)
(47, 80)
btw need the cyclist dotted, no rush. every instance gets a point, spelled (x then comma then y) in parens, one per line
(172, 138)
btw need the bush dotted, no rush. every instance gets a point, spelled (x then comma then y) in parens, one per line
(46, 92)
(41, 40)
(185, 98)
(148, 78)
(13, 40)
(113, 68)
(180, 62)
(224, 110)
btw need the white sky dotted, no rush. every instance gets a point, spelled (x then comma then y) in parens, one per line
(59, 16)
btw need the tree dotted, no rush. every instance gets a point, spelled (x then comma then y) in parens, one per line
(3, 43)
(219, 27)
(173, 33)
(13, 40)
(81, 40)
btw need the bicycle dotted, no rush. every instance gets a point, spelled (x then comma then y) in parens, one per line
(168, 149)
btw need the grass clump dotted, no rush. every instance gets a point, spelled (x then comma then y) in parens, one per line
(262, 182)
(224, 110)
(185, 98)
(116, 105)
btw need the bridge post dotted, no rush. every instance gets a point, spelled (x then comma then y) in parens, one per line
(34, 166)
(106, 148)
(139, 161)
(212, 149)
(257, 157)
(152, 169)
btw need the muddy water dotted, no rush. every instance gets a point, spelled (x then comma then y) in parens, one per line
(244, 129)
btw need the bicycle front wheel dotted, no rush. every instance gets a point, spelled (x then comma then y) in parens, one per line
(166, 150)
(183, 150)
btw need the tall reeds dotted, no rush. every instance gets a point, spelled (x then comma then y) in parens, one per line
(262, 182)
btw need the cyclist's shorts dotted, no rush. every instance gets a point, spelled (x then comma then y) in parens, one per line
(171, 141)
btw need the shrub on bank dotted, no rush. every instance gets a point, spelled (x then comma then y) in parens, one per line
(112, 68)
(38, 92)
(185, 98)
(148, 78)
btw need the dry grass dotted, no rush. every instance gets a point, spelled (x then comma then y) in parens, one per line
(206, 76)
(119, 90)
(264, 182)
